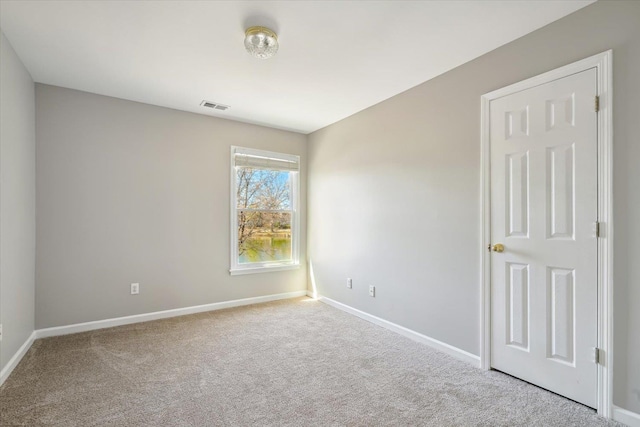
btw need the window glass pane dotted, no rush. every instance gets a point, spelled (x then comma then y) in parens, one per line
(263, 189)
(264, 236)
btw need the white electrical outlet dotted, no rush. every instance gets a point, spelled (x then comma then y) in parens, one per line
(372, 291)
(349, 283)
(135, 288)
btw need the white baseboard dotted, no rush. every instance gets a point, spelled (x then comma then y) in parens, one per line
(138, 318)
(416, 336)
(17, 357)
(627, 417)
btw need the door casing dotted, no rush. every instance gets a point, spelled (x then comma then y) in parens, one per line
(602, 62)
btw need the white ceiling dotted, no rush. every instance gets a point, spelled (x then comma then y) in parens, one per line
(335, 59)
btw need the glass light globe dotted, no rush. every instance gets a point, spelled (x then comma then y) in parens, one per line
(261, 42)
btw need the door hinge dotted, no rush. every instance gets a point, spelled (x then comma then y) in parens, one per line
(597, 104)
(596, 355)
(596, 229)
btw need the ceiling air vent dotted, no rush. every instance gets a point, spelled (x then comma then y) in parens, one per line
(214, 105)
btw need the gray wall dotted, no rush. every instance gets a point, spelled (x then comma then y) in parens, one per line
(394, 191)
(17, 201)
(129, 192)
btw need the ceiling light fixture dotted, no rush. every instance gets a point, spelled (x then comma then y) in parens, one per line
(261, 42)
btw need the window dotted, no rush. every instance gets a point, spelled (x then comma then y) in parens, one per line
(264, 211)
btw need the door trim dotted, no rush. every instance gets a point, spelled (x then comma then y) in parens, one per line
(602, 62)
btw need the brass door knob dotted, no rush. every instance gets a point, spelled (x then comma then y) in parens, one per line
(498, 247)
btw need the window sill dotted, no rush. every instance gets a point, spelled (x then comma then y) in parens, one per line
(263, 269)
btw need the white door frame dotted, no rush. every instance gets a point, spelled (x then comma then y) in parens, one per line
(603, 63)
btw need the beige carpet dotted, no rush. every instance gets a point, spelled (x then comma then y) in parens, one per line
(295, 362)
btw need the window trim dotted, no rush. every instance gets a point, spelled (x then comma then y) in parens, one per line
(262, 267)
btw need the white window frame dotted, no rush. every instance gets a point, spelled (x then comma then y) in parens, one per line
(262, 267)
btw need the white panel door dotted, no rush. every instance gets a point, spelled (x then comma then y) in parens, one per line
(543, 210)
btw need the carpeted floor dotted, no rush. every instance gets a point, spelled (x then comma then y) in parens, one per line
(294, 362)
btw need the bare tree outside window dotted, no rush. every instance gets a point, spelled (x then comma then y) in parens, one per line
(264, 215)
(264, 218)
